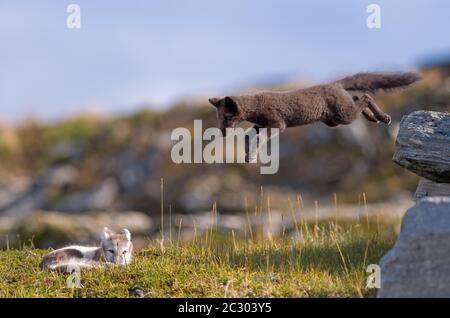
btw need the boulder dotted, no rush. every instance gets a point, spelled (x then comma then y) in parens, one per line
(98, 198)
(423, 145)
(419, 263)
(427, 188)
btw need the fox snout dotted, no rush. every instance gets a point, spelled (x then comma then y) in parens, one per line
(223, 125)
(223, 130)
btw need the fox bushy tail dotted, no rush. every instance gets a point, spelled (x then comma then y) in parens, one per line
(372, 82)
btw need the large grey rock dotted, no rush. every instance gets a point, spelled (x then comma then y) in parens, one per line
(24, 197)
(97, 199)
(419, 263)
(21, 199)
(423, 145)
(428, 188)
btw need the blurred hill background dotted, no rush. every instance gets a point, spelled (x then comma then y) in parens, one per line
(114, 165)
(86, 114)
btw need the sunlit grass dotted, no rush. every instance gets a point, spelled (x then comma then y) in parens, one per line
(322, 259)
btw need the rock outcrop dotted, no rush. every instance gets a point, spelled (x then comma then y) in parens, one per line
(419, 263)
(428, 188)
(423, 145)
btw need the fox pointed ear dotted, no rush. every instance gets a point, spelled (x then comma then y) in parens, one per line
(215, 101)
(106, 233)
(127, 234)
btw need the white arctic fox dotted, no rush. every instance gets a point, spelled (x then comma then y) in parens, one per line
(115, 248)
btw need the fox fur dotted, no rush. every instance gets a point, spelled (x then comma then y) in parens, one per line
(337, 103)
(115, 248)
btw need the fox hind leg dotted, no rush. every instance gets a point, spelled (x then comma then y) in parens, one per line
(344, 110)
(367, 113)
(377, 112)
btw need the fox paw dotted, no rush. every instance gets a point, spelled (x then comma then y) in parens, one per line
(387, 119)
(250, 158)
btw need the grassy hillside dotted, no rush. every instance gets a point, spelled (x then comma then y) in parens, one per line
(327, 260)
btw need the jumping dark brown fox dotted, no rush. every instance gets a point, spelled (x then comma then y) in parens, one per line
(337, 103)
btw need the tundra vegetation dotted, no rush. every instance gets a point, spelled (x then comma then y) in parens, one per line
(60, 182)
(320, 259)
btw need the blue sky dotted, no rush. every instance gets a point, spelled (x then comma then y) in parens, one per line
(130, 53)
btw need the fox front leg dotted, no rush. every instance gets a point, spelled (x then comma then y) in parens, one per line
(251, 144)
(257, 138)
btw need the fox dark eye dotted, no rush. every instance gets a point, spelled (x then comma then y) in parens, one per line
(111, 251)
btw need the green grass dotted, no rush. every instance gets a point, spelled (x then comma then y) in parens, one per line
(330, 261)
